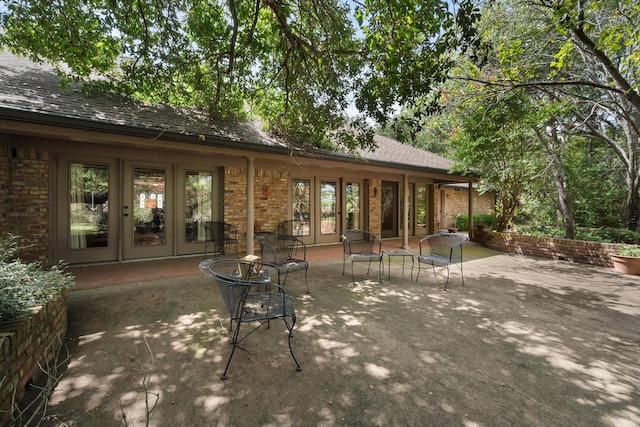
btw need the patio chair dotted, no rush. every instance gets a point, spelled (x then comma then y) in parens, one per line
(220, 235)
(250, 300)
(361, 246)
(288, 253)
(442, 249)
(292, 227)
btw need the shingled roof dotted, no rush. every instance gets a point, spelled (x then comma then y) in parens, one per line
(31, 92)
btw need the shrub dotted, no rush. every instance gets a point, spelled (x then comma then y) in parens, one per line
(608, 235)
(462, 221)
(26, 285)
(617, 235)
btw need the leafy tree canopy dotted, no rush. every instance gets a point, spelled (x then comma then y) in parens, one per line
(298, 65)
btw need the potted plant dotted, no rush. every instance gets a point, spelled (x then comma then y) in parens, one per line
(454, 229)
(627, 259)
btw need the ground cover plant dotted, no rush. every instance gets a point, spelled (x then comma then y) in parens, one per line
(25, 285)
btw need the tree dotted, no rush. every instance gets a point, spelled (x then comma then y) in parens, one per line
(494, 133)
(298, 65)
(585, 53)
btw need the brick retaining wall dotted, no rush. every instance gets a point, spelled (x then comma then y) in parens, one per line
(24, 343)
(579, 251)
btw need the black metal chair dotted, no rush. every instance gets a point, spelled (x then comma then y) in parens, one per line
(252, 298)
(361, 246)
(293, 227)
(220, 235)
(288, 253)
(442, 249)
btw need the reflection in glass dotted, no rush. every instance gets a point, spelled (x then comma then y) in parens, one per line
(88, 206)
(197, 204)
(301, 203)
(149, 214)
(353, 205)
(421, 207)
(328, 208)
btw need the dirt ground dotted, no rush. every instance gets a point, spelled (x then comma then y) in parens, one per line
(526, 342)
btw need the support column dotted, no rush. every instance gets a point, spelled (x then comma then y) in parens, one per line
(471, 227)
(405, 212)
(250, 204)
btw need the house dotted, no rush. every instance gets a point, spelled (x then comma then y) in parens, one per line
(93, 178)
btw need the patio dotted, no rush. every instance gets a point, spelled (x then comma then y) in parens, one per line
(527, 342)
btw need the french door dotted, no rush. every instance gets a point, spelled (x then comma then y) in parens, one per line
(147, 210)
(86, 223)
(389, 209)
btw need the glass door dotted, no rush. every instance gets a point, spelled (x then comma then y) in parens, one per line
(389, 209)
(301, 210)
(200, 202)
(353, 207)
(86, 229)
(328, 215)
(147, 211)
(421, 210)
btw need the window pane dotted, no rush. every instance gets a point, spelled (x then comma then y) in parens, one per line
(421, 212)
(89, 206)
(301, 203)
(149, 200)
(328, 208)
(198, 205)
(353, 205)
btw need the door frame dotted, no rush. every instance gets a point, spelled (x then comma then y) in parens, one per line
(60, 237)
(130, 250)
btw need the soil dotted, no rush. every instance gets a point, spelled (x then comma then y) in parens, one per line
(525, 342)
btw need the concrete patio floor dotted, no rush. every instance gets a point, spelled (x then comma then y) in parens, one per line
(526, 342)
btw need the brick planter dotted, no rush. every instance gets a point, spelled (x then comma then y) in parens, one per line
(24, 343)
(579, 251)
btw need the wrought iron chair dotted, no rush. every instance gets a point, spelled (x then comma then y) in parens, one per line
(220, 235)
(361, 246)
(248, 299)
(442, 249)
(293, 227)
(288, 253)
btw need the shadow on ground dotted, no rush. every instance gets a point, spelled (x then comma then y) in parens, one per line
(527, 342)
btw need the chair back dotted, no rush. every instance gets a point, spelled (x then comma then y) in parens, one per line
(359, 242)
(293, 227)
(218, 231)
(233, 287)
(445, 245)
(278, 248)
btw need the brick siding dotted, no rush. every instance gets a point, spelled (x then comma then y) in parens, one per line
(24, 196)
(457, 202)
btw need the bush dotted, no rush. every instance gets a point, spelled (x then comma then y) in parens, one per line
(486, 220)
(26, 285)
(615, 235)
(603, 235)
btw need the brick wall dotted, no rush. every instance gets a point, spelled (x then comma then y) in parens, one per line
(457, 202)
(270, 200)
(24, 199)
(579, 251)
(26, 342)
(374, 223)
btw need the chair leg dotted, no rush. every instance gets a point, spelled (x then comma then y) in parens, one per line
(447, 282)
(352, 277)
(234, 341)
(289, 335)
(305, 279)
